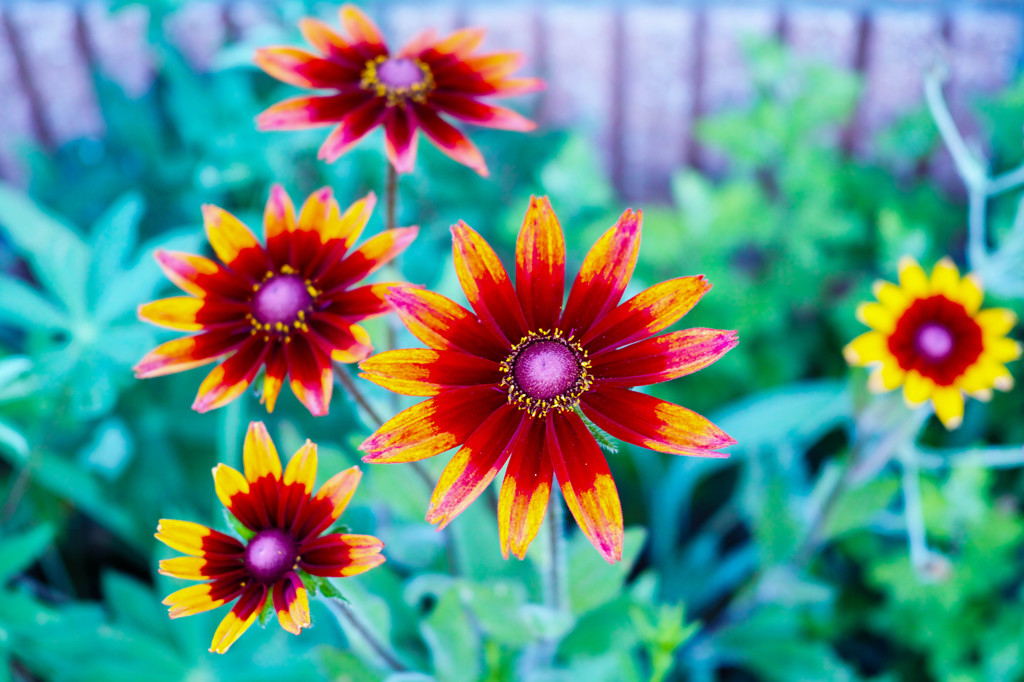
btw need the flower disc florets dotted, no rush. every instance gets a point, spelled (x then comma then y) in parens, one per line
(281, 303)
(546, 371)
(397, 79)
(270, 554)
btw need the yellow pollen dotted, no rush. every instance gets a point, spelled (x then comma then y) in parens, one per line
(417, 92)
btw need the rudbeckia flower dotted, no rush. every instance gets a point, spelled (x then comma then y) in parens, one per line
(508, 382)
(285, 522)
(292, 305)
(930, 336)
(405, 91)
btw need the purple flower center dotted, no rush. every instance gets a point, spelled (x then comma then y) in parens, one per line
(270, 554)
(934, 341)
(400, 73)
(280, 299)
(546, 369)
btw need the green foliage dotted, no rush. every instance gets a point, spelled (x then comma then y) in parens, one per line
(724, 569)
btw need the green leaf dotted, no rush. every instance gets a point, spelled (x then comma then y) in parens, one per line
(606, 442)
(18, 552)
(344, 666)
(592, 580)
(237, 526)
(453, 642)
(15, 443)
(58, 255)
(23, 307)
(114, 236)
(134, 604)
(856, 507)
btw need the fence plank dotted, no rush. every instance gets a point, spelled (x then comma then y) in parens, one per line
(15, 110)
(119, 42)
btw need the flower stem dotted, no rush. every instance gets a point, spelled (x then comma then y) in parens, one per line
(347, 615)
(555, 585)
(391, 222)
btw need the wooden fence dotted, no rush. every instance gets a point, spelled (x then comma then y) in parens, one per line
(633, 76)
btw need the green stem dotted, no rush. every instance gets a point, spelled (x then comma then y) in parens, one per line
(347, 615)
(555, 584)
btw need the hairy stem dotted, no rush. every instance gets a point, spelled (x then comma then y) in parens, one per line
(347, 615)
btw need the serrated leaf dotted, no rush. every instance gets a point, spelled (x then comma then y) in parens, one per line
(23, 307)
(606, 442)
(18, 552)
(59, 257)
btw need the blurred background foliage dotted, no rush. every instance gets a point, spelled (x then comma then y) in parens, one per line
(731, 571)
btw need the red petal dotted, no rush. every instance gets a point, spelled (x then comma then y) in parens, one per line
(652, 423)
(425, 372)
(368, 258)
(433, 426)
(273, 378)
(400, 139)
(278, 226)
(241, 616)
(362, 302)
(605, 273)
(234, 244)
(468, 109)
(305, 69)
(339, 338)
(647, 313)
(312, 375)
(475, 465)
(328, 42)
(364, 32)
(201, 276)
(662, 358)
(188, 352)
(445, 325)
(340, 556)
(352, 129)
(291, 603)
(229, 379)
(540, 265)
(486, 284)
(586, 483)
(449, 140)
(307, 112)
(525, 491)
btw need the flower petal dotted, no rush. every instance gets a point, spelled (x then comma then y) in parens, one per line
(443, 324)
(400, 141)
(297, 486)
(307, 112)
(328, 505)
(525, 490)
(605, 273)
(196, 540)
(233, 243)
(291, 601)
(188, 352)
(913, 281)
(352, 128)
(278, 225)
(475, 465)
(945, 279)
(259, 455)
(239, 618)
(193, 314)
(199, 598)
(867, 348)
(360, 27)
(647, 313)
(368, 258)
(362, 302)
(652, 423)
(338, 338)
(662, 358)
(449, 140)
(486, 115)
(229, 379)
(273, 377)
(433, 426)
(201, 276)
(304, 69)
(311, 375)
(540, 265)
(203, 568)
(486, 284)
(235, 494)
(425, 372)
(586, 483)
(341, 556)
(949, 406)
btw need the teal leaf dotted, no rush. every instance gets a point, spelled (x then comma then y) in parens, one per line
(18, 552)
(23, 307)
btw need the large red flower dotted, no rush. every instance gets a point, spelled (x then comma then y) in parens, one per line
(292, 306)
(505, 383)
(402, 92)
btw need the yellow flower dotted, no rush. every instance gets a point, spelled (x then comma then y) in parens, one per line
(930, 336)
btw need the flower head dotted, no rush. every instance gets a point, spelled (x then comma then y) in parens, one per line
(930, 336)
(508, 381)
(292, 305)
(404, 91)
(285, 522)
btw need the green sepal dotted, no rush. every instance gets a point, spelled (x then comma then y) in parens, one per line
(606, 442)
(316, 584)
(268, 610)
(237, 526)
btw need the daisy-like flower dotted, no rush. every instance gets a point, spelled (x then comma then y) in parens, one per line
(285, 521)
(292, 305)
(403, 92)
(929, 335)
(506, 382)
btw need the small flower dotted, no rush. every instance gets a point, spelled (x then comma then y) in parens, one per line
(402, 92)
(508, 382)
(291, 306)
(930, 336)
(286, 521)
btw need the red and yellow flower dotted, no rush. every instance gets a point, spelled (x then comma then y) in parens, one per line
(403, 92)
(291, 305)
(930, 336)
(506, 381)
(286, 521)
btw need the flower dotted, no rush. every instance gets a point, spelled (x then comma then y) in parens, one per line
(285, 521)
(402, 92)
(292, 306)
(508, 382)
(929, 335)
